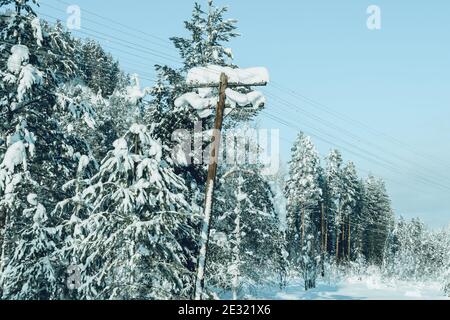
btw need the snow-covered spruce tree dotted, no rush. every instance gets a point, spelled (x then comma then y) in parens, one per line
(303, 195)
(379, 219)
(128, 225)
(333, 178)
(30, 273)
(39, 156)
(102, 120)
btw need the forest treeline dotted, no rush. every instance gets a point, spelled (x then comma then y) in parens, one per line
(93, 205)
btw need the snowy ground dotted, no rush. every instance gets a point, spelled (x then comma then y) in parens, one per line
(369, 288)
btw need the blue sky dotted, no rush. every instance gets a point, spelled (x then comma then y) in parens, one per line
(391, 83)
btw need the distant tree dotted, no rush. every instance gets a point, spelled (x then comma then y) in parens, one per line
(100, 72)
(379, 217)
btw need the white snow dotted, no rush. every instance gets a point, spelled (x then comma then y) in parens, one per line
(229, 53)
(14, 156)
(255, 99)
(37, 30)
(203, 114)
(83, 163)
(120, 148)
(32, 199)
(195, 101)
(354, 288)
(19, 55)
(205, 105)
(210, 75)
(28, 77)
(134, 93)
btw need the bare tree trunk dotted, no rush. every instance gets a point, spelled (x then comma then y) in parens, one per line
(343, 240)
(337, 243)
(326, 234)
(303, 227)
(324, 244)
(349, 244)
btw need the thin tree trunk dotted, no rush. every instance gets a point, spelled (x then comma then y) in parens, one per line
(303, 227)
(349, 244)
(326, 233)
(322, 234)
(343, 240)
(324, 244)
(337, 243)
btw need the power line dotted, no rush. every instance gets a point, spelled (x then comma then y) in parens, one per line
(390, 163)
(355, 122)
(112, 28)
(126, 44)
(78, 64)
(118, 23)
(319, 137)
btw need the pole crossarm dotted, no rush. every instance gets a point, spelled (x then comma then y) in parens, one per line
(230, 85)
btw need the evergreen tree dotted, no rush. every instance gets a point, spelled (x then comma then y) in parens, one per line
(415, 253)
(39, 155)
(100, 72)
(333, 178)
(30, 273)
(350, 197)
(128, 224)
(379, 219)
(303, 197)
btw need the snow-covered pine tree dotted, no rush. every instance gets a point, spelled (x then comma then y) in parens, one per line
(303, 195)
(333, 178)
(100, 72)
(379, 219)
(209, 32)
(34, 63)
(128, 225)
(350, 196)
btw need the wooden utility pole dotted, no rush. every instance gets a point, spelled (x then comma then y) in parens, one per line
(211, 180)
